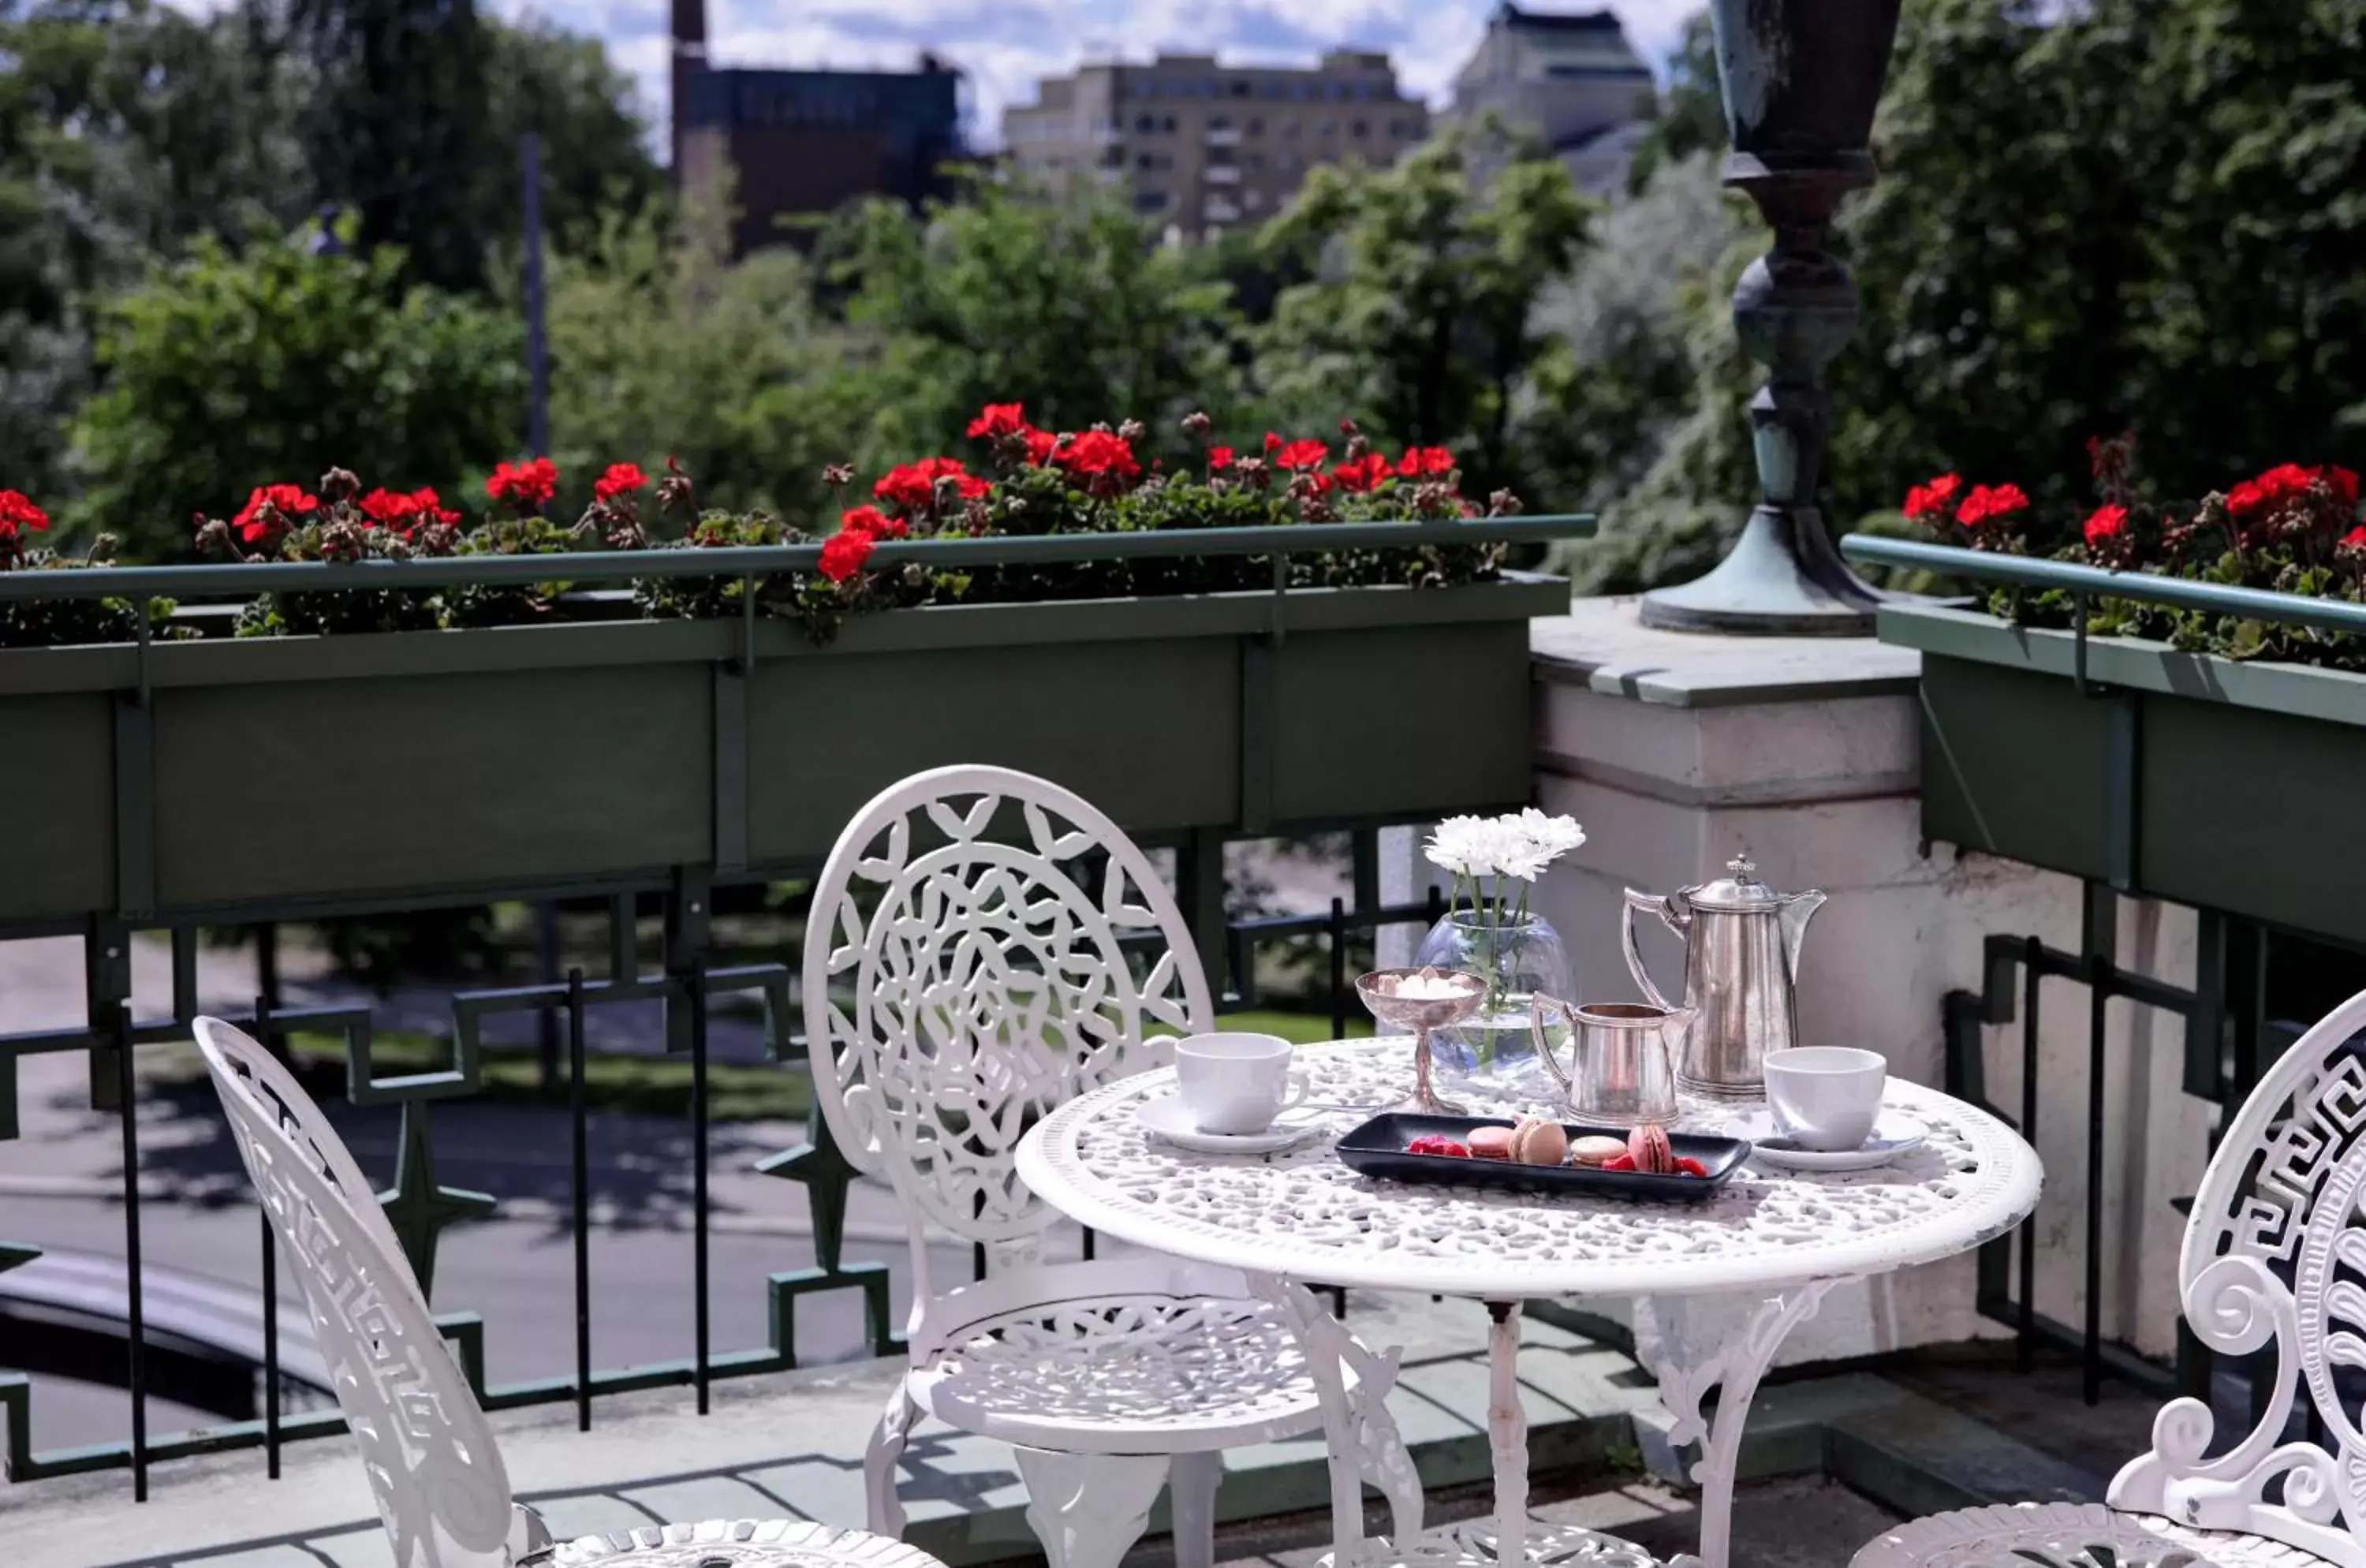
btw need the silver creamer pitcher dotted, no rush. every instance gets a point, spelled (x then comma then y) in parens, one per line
(1622, 1059)
(1741, 965)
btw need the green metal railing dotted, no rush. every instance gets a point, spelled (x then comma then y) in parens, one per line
(687, 976)
(1280, 541)
(2229, 1034)
(2092, 582)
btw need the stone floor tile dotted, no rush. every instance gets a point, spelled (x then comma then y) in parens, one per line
(355, 1549)
(592, 1512)
(827, 1491)
(702, 1498)
(262, 1557)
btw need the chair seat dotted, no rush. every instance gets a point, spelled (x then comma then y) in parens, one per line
(2067, 1535)
(1128, 1373)
(741, 1543)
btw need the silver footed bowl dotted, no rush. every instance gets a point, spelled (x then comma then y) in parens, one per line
(1455, 997)
(1420, 1014)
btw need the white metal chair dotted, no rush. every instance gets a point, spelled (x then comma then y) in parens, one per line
(2274, 1255)
(958, 984)
(441, 1489)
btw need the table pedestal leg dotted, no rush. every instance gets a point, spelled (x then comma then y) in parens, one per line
(1733, 1369)
(1507, 1435)
(1361, 1435)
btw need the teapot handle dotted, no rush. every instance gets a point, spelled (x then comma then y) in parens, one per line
(1653, 904)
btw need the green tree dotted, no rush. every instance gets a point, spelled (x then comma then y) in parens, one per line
(129, 128)
(596, 163)
(2129, 213)
(1691, 117)
(660, 349)
(2126, 214)
(393, 125)
(124, 128)
(1418, 319)
(273, 362)
(1635, 405)
(1008, 296)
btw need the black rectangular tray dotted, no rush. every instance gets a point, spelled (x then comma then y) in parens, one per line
(1378, 1148)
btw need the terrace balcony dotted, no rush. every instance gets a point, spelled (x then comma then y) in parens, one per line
(615, 1177)
(734, 1320)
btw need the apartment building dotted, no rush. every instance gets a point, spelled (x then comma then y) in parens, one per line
(1202, 146)
(796, 145)
(1568, 77)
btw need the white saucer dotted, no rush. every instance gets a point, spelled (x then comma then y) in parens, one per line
(1167, 1121)
(1894, 1133)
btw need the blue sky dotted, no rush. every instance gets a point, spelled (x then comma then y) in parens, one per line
(1005, 45)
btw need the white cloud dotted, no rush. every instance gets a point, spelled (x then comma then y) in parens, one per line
(1005, 46)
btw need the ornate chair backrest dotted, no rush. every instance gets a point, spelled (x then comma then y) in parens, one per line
(2275, 1256)
(432, 1467)
(958, 984)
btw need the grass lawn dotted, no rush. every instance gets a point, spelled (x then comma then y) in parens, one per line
(652, 1086)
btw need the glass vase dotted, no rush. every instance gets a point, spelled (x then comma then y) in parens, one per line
(1494, 1051)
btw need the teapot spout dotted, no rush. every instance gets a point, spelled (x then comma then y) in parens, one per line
(1798, 909)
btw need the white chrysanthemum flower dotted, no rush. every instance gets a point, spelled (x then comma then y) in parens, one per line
(1552, 836)
(1523, 860)
(1462, 845)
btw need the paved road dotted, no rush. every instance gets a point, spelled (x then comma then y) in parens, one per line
(60, 1180)
(518, 1276)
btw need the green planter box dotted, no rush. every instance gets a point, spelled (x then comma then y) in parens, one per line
(2203, 780)
(359, 772)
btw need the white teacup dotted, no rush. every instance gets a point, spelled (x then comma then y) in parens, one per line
(1236, 1083)
(1826, 1098)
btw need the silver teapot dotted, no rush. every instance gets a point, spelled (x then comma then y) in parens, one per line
(1741, 967)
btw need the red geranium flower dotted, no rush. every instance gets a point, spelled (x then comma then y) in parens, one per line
(1924, 499)
(1041, 445)
(1219, 459)
(18, 514)
(622, 479)
(431, 505)
(998, 420)
(2271, 489)
(1988, 503)
(1364, 475)
(2343, 482)
(843, 553)
(912, 486)
(2356, 537)
(1099, 452)
(527, 486)
(1272, 442)
(872, 521)
(291, 502)
(390, 509)
(1300, 454)
(2106, 523)
(386, 509)
(1422, 461)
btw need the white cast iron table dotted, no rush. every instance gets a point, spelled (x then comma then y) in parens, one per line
(1781, 1238)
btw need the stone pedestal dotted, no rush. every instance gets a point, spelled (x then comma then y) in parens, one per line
(1677, 750)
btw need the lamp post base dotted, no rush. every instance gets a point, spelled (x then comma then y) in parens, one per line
(1782, 578)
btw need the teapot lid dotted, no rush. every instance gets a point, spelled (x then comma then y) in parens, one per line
(1742, 890)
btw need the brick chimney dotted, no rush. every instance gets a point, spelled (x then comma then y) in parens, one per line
(688, 60)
